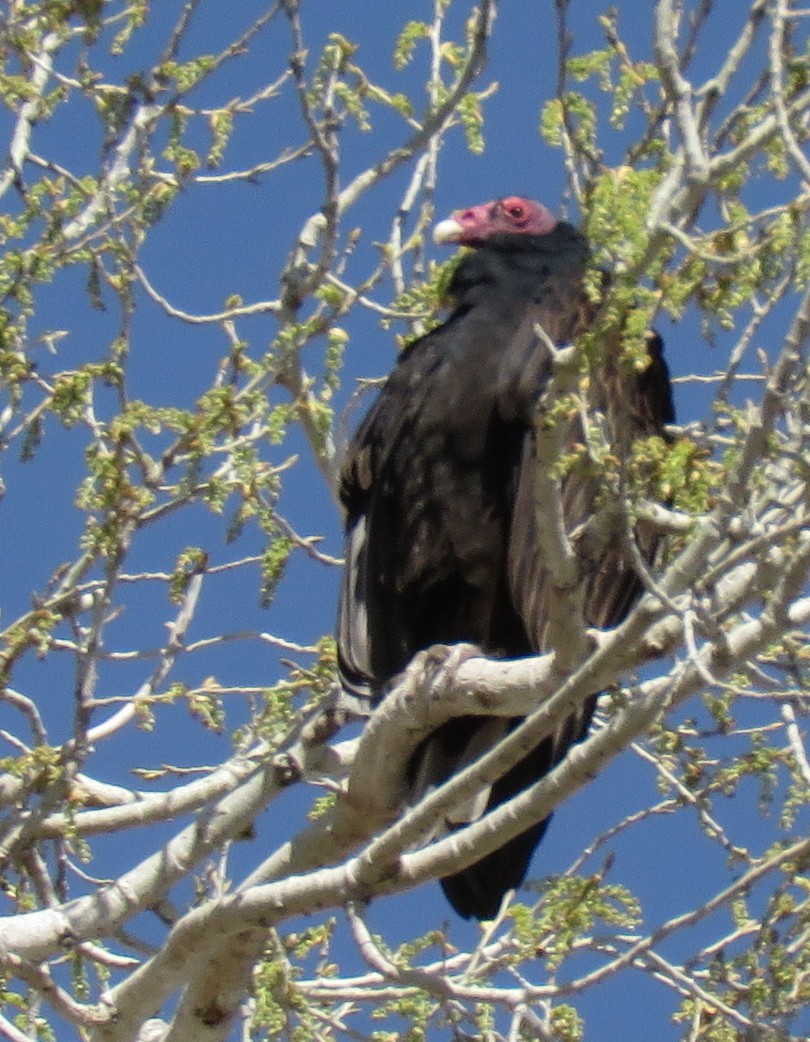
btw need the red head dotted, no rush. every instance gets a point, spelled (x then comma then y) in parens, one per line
(512, 216)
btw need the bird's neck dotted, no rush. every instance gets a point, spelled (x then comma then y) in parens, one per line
(509, 267)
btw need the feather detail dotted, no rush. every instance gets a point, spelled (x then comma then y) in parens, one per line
(443, 543)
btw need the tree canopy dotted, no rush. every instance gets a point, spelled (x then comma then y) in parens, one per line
(214, 223)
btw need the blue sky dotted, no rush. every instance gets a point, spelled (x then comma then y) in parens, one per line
(221, 240)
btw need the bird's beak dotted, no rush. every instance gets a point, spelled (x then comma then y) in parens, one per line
(449, 230)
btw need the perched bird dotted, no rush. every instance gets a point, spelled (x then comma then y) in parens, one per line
(442, 541)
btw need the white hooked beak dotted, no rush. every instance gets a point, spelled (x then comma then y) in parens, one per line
(449, 230)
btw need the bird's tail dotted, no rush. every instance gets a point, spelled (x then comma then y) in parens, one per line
(478, 890)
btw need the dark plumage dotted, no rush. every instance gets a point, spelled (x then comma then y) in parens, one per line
(441, 535)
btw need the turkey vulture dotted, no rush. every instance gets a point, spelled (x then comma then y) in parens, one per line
(442, 542)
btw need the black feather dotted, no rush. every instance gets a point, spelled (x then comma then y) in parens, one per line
(442, 541)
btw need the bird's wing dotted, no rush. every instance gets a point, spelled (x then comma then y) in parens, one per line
(426, 517)
(640, 404)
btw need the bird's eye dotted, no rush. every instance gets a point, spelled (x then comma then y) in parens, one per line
(516, 211)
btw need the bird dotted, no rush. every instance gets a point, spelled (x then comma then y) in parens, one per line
(442, 543)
